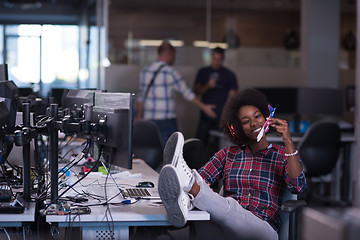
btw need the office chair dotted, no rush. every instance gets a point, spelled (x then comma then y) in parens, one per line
(194, 153)
(319, 151)
(147, 144)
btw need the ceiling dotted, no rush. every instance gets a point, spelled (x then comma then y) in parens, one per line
(68, 11)
(347, 5)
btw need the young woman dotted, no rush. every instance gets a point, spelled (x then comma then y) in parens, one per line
(254, 173)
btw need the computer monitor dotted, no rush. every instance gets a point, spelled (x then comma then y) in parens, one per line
(76, 98)
(306, 100)
(4, 75)
(113, 112)
(314, 103)
(4, 121)
(9, 93)
(16, 155)
(57, 94)
(283, 98)
(25, 91)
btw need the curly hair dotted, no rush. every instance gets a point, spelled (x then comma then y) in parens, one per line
(230, 118)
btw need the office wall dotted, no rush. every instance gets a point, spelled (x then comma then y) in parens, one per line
(261, 30)
(255, 28)
(124, 78)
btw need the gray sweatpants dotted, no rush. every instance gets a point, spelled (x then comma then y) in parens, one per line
(231, 215)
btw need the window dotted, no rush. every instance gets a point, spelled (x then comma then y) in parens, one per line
(45, 56)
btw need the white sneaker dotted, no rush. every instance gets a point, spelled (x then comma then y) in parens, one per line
(173, 155)
(175, 200)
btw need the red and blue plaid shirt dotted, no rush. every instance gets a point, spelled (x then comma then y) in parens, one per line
(255, 181)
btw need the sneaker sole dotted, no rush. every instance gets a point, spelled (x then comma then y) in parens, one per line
(169, 191)
(172, 147)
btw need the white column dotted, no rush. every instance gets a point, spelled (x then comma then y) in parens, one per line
(102, 19)
(320, 20)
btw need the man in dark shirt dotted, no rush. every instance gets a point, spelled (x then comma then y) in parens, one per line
(214, 84)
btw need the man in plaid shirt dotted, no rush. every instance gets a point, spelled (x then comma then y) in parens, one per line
(156, 100)
(254, 173)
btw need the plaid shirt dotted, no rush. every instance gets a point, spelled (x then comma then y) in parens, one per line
(255, 181)
(160, 102)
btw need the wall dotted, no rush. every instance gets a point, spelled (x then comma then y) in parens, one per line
(124, 78)
(260, 61)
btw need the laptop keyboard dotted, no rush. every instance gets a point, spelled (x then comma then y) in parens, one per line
(137, 192)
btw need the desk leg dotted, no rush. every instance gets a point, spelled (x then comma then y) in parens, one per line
(97, 233)
(124, 233)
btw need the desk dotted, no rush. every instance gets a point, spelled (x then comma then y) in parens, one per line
(344, 167)
(99, 225)
(17, 220)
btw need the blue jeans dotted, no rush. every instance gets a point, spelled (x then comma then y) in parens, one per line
(166, 128)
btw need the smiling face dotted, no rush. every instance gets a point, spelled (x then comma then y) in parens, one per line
(251, 121)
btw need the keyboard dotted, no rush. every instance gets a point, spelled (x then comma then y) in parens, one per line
(18, 206)
(137, 192)
(5, 193)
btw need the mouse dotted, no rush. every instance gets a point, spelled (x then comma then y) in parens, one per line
(145, 184)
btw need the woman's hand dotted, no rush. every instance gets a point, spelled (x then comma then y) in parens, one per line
(282, 128)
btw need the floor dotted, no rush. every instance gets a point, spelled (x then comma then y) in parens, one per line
(46, 232)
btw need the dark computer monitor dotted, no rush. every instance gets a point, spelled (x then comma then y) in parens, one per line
(25, 91)
(8, 93)
(113, 111)
(314, 103)
(306, 100)
(76, 98)
(16, 155)
(4, 75)
(57, 94)
(283, 98)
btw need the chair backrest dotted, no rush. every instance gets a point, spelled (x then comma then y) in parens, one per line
(147, 143)
(320, 147)
(194, 153)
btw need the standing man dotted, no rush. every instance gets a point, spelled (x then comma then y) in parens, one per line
(214, 84)
(158, 83)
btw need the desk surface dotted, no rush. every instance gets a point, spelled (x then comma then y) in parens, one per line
(16, 220)
(139, 213)
(272, 137)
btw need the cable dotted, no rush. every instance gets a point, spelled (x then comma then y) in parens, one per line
(73, 162)
(58, 197)
(6, 233)
(107, 211)
(87, 144)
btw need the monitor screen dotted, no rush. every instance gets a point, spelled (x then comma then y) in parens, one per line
(321, 102)
(283, 98)
(305, 100)
(113, 112)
